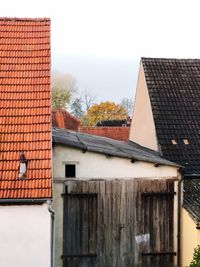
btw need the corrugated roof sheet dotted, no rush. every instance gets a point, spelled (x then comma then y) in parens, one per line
(174, 90)
(25, 118)
(107, 146)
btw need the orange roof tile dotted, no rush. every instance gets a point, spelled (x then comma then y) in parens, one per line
(65, 120)
(25, 114)
(117, 133)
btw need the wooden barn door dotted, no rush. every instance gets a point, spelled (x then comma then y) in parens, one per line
(119, 223)
(157, 240)
(80, 230)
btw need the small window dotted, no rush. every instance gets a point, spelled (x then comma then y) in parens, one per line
(174, 142)
(186, 141)
(70, 170)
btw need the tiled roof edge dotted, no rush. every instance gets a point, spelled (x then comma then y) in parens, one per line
(23, 19)
(191, 214)
(64, 111)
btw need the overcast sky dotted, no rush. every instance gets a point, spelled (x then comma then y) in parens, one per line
(100, 42)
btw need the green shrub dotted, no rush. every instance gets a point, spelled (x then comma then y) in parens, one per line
(196, 258)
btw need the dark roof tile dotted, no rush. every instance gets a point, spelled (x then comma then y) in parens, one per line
(174, 90)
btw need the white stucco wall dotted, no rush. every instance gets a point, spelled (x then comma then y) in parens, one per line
(143, 129)
(25, 236)
(91, 165)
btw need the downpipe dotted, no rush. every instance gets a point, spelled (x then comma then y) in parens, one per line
(52, 212)
(180, 197)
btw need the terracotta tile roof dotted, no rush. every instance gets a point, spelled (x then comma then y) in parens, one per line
(25, 116)
(174, 90)
(63, 119)
(117, 133)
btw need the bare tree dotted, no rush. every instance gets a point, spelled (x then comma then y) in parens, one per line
(88, 99)
(127, 103)
(76, 108)
(63, 88)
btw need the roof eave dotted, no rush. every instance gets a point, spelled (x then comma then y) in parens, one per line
(192, 215)
(58, 141)
(28, 201)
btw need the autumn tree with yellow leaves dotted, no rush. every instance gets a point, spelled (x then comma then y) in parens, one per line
(104, 111)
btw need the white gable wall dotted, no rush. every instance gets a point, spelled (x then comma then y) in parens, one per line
(142, 127)
(25, 236)
(91, 165)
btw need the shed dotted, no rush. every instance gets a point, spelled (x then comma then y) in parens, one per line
(115, 202)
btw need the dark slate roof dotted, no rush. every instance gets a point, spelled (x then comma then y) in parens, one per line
(114, 123)
(107, 146)
(174, 90)
(191, 198)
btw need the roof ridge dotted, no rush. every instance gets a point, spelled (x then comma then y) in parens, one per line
(169, 58)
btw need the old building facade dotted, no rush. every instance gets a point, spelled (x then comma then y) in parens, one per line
(166, 119)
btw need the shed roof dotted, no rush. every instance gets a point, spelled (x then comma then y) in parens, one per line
(25, 118)
(174, 90)
(107, 146)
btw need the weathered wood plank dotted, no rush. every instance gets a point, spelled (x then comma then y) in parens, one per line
(126, 223)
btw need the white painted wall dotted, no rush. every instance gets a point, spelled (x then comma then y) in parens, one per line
(91, 165)
(25, 236)
(143, 129)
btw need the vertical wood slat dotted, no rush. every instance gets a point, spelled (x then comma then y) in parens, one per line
(162, 221)
(120, 215)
